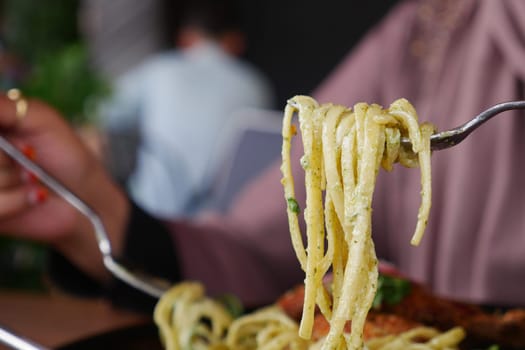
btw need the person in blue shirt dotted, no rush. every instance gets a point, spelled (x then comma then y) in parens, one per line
(183, 103)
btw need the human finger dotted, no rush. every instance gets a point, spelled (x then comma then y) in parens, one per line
(13, 200)
(14, 108)
(17, 199)
(5, 160)
(10, 177)
(10, 173)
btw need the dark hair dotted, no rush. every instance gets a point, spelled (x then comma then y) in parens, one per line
(213, 16)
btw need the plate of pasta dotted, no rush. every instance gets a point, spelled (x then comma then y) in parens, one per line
(345, 302)
(404, 315)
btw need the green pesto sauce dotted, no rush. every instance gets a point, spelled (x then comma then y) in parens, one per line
(293, 205)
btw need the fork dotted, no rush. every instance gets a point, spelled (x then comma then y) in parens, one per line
(156, 287)
(449, 138)
(150, 285)
(14, 341)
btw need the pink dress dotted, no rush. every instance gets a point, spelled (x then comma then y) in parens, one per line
(451, 59)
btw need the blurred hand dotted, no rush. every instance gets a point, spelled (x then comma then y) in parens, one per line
(27, 209)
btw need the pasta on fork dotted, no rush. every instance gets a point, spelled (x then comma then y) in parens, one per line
(343, 151)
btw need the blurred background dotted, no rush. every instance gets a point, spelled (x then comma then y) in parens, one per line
(68, 53)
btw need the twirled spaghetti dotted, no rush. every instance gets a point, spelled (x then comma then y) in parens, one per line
(187, 319)
(343, 151)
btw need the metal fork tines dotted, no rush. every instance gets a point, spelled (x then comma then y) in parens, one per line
(449, 138)
(154, 287)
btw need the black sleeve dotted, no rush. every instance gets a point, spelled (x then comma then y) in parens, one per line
(148, 247)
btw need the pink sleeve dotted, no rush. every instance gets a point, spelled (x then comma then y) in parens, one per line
(506, 27)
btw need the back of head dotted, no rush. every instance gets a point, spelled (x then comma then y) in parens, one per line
(214, 17)
(217, 20)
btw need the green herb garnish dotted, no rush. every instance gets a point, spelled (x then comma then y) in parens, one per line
(293, 205)
(390, 290)
(232, 304)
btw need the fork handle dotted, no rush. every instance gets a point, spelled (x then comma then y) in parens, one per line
(142, 283)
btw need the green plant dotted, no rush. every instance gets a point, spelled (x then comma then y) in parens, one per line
(32, 29)
(64, 79)
(44, 35)
(22, 264)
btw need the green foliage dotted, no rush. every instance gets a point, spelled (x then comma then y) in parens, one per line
(64, 79)
(32, 29)
(21, 264)
(44, 35)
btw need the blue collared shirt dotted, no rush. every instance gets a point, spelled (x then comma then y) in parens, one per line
(181, 102)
